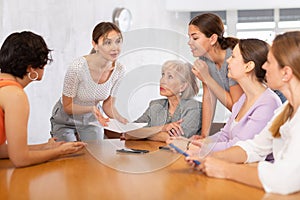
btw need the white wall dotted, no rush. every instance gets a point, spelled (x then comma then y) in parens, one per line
(1, 5)
(66, 25)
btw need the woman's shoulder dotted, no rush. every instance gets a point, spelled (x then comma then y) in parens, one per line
(270, 96)
(79, 62)
(78, 65)
(119, 67)
(207, 60)
(190, 103)
(12, 94)
(228, 53)
(119, 70)
(7, 82)
(157, 105)
(161, 102)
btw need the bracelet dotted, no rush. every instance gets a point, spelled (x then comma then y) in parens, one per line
(188, 145)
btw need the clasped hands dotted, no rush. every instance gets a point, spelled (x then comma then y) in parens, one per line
(64, 148)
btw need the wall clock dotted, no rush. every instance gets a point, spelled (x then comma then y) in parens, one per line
(122, 18)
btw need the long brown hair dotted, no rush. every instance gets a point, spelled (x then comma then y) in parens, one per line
(286, 50)
(209, 24)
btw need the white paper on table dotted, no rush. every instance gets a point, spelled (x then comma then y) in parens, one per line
(116, 126)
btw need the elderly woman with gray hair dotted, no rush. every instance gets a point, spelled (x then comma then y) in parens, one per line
(176, 115)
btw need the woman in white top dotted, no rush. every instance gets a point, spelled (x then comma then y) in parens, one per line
(281, 135)
(90, 80)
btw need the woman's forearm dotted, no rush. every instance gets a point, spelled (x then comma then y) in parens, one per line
(78, 109)
(233, 154)
(244, 173)
(34, 147)
(71, 108)
(208, 109)
(111, 111)
(3, 151)
(222, 95)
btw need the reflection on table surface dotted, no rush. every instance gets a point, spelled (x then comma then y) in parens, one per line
(81, 176)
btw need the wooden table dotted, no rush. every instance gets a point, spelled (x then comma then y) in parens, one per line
(82, 176)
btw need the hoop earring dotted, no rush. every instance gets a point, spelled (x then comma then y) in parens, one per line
(36, 76)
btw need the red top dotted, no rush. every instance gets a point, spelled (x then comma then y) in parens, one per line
(3, 83)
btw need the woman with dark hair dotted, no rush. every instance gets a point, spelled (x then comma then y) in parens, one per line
(23, 57)
(90, 80)
(253, 110)
(280, 137)
(207, 41)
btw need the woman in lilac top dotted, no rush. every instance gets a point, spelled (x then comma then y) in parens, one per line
(255, 107)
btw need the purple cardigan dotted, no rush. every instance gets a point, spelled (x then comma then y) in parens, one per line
(251, 124)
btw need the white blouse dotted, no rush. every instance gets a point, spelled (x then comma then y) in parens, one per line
(79, 84)
(282, 176)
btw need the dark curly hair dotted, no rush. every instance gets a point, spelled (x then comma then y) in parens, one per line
(23, 49)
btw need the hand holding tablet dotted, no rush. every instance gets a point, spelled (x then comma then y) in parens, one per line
(183, 153)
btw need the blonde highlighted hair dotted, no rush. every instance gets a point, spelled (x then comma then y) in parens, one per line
(286, 50)
(185, 74)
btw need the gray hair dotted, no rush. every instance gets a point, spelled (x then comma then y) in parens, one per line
(185, 75)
